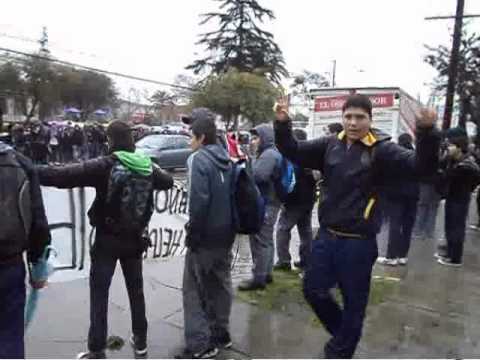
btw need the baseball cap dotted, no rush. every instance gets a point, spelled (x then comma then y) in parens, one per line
(197, 114)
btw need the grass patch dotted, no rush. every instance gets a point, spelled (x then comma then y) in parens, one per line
(286, 295)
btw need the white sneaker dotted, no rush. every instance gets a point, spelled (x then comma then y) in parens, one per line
(387, 261)
(403, 261)
(475, 227)
(448, 262)
(438, 256)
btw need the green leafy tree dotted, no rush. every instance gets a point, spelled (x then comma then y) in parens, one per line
(86, 90)
(239, 42)
(234, 93)
(468, 80)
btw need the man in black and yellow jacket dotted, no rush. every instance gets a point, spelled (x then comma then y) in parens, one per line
(355, 164)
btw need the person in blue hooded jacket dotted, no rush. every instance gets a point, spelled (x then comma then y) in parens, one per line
(207, 282)
(265, 171)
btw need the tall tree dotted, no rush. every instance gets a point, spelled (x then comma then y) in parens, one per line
(239, 42)
(235, 94)
(468, 78)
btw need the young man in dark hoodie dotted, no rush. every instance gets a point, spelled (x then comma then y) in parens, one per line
(461, 175)
(402, 198)
(23, 227)
(207, 282)
(265, 170)
(111, 245)
(296, 211)
(355, 164)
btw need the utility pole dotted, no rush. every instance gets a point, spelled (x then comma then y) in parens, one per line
(454, 59)
(334, 72)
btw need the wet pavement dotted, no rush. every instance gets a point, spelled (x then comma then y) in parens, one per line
(431, 311)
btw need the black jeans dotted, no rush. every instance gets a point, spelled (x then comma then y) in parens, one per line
(12, 308)
(346, 262)
(456, 213)
(101, 272)
(402, 214)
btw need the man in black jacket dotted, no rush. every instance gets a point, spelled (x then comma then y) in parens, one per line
(296, 211)
(109, 245)
(23, 227)
(207, 282)
(461, 175)
(353, 164)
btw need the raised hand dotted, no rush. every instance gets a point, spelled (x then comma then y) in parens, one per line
(281, 110)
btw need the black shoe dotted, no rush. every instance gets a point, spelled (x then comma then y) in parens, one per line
(299, 265)
(269, 279)
(251, 285)
(206, 354)
(282, 267)
(139, 345)
(224, 342)
(92, 355)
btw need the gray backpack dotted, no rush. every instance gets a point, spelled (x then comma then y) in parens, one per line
(15, 209)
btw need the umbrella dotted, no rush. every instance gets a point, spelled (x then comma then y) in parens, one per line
(73, 110)
(100, 112)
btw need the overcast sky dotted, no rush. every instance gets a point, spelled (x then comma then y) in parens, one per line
(156, 39)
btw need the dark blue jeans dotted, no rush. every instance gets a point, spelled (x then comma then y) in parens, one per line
(456, 213)
(346, 262)
(101, 272)
(12, 308)
(402, 214)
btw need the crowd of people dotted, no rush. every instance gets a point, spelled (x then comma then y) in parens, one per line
(365, 179)
(58, 142)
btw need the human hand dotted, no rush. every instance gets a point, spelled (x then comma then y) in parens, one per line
(425, 118)
(37, 285)
(281, 110)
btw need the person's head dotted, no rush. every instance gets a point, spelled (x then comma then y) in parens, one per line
(204, 132)
(334, 128)
(300, 134)
(357, 117)
(457, 142)
(120, 137)
(262, 138)
(202, 127)
(406, 140)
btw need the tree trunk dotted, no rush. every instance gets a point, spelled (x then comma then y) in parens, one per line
(32, 110)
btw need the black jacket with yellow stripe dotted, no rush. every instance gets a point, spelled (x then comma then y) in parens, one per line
(354, 177)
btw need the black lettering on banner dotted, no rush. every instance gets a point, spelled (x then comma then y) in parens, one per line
(168, 241)
(177, 237)
(162, 198)
(173, 200)
(183, 203)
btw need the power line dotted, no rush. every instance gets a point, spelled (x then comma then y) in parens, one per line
(450, 17)
(89, 68)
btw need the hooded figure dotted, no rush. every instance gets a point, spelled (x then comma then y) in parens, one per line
(266, 165)
(265, 170)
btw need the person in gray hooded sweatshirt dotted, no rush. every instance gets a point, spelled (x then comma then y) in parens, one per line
(265, 171)
(207, 282)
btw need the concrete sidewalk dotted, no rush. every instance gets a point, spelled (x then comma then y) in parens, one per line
(430, 312)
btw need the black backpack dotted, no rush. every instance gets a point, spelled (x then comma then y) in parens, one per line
(129, 203)
(248, 205)
(15, 208)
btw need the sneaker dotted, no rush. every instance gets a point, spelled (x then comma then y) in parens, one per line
(437, 256)
(282, 267)
(92, 355)
(140, 347)
(403, 261)
(387, 261)
(475, 227)
(206, 354)
(269, 279)
(224, 342)
(448, 262)
(251, 285)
